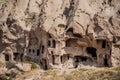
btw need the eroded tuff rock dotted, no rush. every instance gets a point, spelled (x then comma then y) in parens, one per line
(55, 33)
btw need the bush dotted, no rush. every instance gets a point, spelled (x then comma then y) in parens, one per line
(33, 64)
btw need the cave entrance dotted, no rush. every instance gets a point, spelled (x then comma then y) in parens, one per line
(16, 56)
(21, 57)
(42, 50)
(77, 58)
(70, 30)
(80, 58)
(53, 59)
(50, 36)
(45, 64)
(65, 57)
(61, 59)
(38, 52)
(54, 43)
(77, 35)
(76, 61)
(7, 57)
(29, 50)
(49, 43)
(106, 61)
(92, 51)
(83, 59)
(104, 44)
(70, 42)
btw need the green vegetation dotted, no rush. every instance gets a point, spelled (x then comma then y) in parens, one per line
(34, 65)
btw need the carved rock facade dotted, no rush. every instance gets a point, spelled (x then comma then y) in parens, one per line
(61, 33)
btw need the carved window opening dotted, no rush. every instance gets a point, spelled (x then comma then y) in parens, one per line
(92, 51)
(70, 30)
(49, 43)
(16, 55)
(54, 43)
(76, 60)
(38, 52)
(21, 57)
(65, 58)
(42, 49)
(1, 32)
(45, 64)
(68, 42)
(61, 59)
(50, 36)
(110, 51)
(104, 44)
(29, 50)
(33, 51)
(77, 35)
(61, 25)
(68, 56)
(114, 39)
(53, 59)
(7, 57)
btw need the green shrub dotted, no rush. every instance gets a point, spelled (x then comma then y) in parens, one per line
(34, 65)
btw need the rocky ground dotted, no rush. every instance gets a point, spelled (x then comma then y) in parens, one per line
(78, 74)
(19, 72)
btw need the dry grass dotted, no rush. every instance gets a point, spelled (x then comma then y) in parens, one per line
(2, 1)
(85, 74)
(78, 74)
(2, 64)
(97, 74)
(26, 74)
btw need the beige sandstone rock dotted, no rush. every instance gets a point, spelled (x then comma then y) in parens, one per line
(23, 66)
(59, 32)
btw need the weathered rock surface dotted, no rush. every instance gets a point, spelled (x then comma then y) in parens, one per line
(54, 31)
(3, 70)
(24, 66)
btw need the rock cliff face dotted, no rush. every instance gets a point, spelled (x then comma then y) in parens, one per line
(55, 33)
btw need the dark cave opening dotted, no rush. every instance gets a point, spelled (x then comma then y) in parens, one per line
(92, 51)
